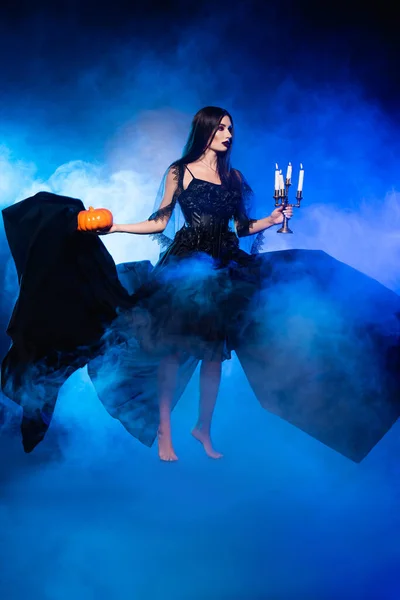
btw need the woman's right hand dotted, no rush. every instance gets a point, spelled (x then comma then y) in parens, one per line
(113, 229)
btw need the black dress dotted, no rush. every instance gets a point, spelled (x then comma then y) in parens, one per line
(200, 290)
(312, 352)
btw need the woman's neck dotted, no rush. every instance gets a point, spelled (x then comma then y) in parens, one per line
(209, 158)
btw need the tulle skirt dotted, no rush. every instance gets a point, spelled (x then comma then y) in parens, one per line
(196, 304)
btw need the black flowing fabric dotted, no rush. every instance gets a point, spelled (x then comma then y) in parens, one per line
(4, 297)
(70, 306)
(318, 341)
(69, 293)
(323, 350)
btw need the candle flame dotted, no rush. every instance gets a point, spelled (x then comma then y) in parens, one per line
(301, 166)
(276, 166)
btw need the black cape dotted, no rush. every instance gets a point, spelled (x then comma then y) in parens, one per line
(69, 293)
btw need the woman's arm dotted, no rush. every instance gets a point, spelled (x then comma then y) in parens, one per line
(142, 228)
(158, 221)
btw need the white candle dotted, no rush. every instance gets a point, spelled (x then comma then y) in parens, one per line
(301, 179)
(289, 172)
(281, 182)
(276, 177)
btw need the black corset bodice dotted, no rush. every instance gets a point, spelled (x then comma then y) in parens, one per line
(208, 210)
(207, 205)
(211, 212)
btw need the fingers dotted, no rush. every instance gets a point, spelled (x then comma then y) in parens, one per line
(111, 229)
(288, 211)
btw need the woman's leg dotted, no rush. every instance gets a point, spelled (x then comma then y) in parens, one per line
(210, 378)
(167, 380)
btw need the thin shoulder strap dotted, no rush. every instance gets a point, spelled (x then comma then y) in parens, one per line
(190, 172)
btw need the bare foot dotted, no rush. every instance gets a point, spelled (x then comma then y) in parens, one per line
(205, 439)
(165, 449)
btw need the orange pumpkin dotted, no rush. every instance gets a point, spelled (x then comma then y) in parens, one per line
(94, 219)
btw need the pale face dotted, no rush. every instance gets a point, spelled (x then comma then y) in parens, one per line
(223, 136)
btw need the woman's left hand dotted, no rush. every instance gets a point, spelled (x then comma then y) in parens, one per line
(277, 214)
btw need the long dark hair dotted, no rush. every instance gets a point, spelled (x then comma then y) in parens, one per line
(203, 129)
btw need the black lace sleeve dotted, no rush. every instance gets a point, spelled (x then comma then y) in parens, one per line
(163, 240)
(244, 200)
(243, 223)
(165, 205)
(161, 213)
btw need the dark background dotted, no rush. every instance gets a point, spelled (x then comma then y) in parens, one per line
(46, 46)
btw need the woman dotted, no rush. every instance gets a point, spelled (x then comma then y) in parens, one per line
(211, 195)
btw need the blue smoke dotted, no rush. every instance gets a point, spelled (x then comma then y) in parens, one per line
(92, 514)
